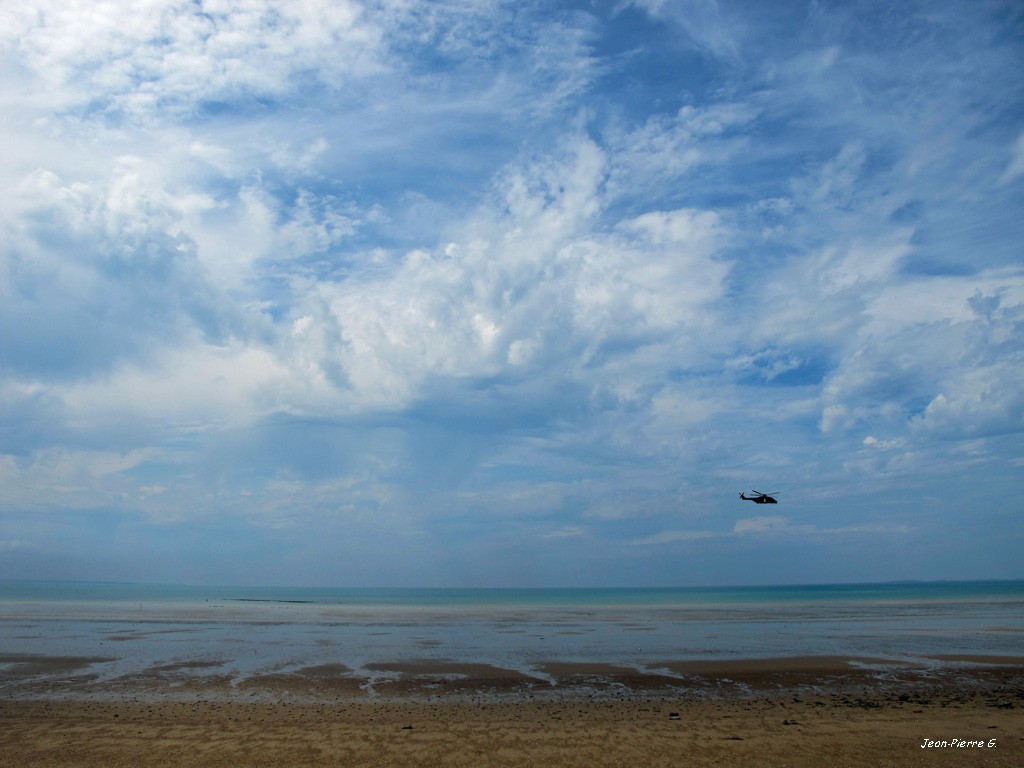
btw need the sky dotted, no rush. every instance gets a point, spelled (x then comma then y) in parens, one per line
(517, 294)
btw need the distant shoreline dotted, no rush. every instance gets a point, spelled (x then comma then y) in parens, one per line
(16, 592)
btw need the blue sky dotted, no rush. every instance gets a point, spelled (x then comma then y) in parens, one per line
(473, 293)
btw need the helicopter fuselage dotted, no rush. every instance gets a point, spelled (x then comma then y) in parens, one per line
(762, 498)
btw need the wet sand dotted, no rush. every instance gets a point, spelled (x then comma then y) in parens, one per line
(806, 711)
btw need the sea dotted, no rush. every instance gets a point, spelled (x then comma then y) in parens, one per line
(127, 629)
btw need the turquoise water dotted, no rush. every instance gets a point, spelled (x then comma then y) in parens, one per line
(245, 631)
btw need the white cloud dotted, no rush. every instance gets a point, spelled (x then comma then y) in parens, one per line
(568, 532)
(770, 525)
(703, 22)
(665, 148)
(882, 445)
(95, 271)
(934, 339)
(1016, 165)
(146, 57)
(194, 386)
(821, 299)
(861, 264)
(989, 401)
(671, 537)
(529, 286)
(62, 478)
(762, 524)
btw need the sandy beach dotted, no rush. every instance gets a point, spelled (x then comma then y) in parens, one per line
(807, 711)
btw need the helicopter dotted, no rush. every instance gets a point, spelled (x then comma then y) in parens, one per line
(761, 498)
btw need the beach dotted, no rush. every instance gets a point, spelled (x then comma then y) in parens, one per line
(818, 676)
(783, 712)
